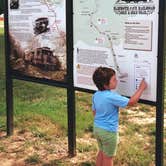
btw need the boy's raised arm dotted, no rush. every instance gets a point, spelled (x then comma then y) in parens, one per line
(134, 99)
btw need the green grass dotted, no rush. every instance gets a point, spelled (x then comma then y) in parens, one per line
(34, 159)
(2, 83)
(42, 110)
(1, 31)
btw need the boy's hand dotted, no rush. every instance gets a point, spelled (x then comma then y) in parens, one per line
(134, 99)
(143, 85)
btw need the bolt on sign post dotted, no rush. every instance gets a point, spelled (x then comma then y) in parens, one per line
(61, 43)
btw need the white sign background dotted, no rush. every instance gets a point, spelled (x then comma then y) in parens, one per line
(127, 30)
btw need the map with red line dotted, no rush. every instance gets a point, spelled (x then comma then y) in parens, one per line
(118, 34)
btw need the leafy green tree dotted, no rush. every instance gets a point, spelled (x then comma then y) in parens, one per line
(1, 6)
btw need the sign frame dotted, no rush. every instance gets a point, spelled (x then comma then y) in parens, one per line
(10, 75)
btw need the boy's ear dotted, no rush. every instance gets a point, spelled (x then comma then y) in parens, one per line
(106, 86)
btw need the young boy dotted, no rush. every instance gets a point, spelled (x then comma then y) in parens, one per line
(105, 105)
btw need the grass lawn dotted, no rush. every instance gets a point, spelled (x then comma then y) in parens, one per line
(1, 31)
(41, 111)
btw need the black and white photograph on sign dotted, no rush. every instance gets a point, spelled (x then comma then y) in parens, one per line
(37, 34)
(117, 34)
(14, 4)
(41, 25)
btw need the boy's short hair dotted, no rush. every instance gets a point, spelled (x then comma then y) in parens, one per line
(102, 76)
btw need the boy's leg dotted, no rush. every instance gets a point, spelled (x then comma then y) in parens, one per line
(107, 161)
(107, 142)
(99, 159)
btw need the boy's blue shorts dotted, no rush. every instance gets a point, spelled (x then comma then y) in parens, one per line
(107, 141)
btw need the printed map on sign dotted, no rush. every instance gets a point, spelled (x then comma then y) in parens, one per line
(115, 34)
(38, 38)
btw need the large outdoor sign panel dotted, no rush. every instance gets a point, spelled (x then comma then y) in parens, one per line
(122, 34)
(37, 32)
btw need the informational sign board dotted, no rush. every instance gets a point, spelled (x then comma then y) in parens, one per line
(121, 34)
(37, 33)
(127, 35)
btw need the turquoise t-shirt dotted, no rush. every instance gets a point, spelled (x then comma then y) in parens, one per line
(106, 104)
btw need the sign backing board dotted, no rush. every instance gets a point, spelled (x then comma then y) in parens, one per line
(119, 34)
(37, 34)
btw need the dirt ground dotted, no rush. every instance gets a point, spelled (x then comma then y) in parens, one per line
(25, 149)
